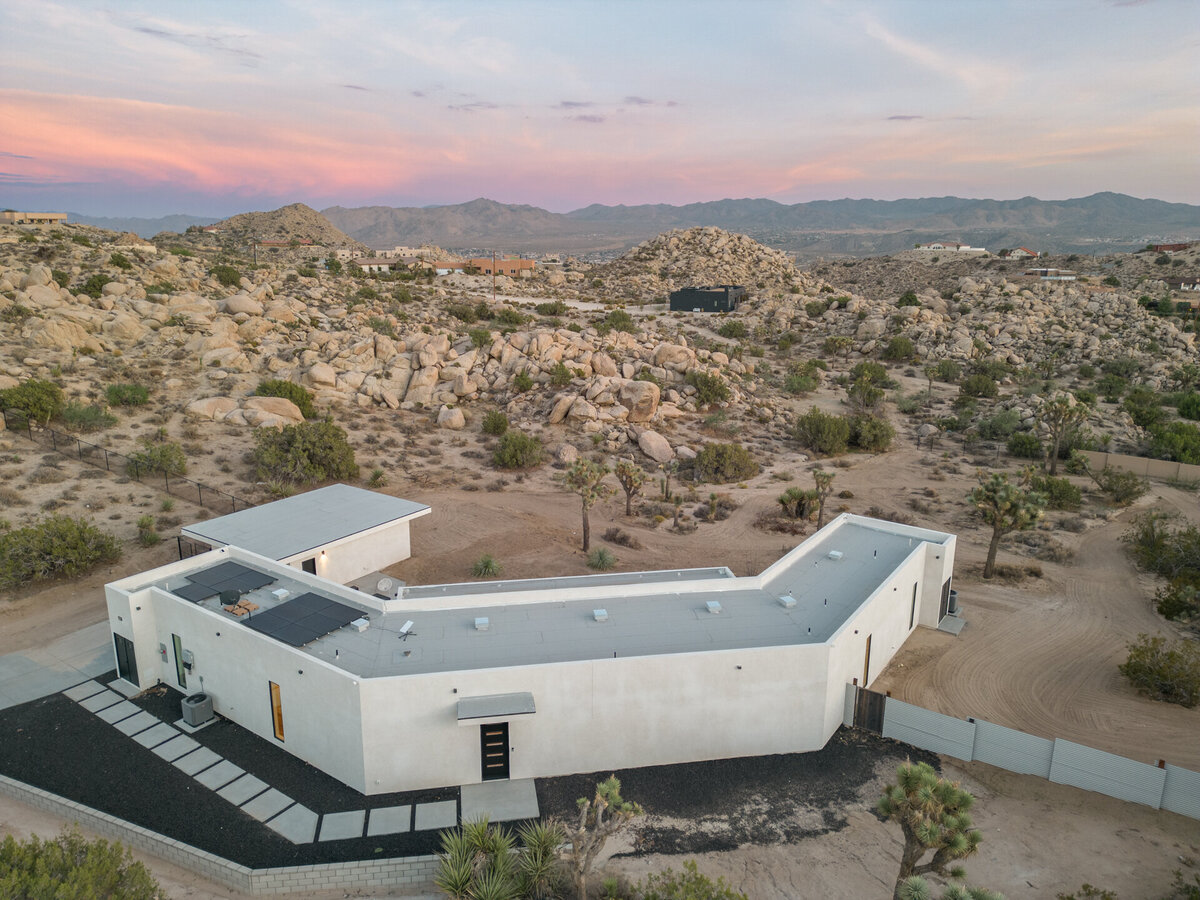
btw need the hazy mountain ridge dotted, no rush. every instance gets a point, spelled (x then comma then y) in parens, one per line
(141, 226)
(1100, 222)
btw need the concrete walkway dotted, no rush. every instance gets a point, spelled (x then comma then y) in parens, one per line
(499, 801)
(43, 671)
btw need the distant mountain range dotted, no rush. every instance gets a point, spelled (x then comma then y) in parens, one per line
(146, 228)
(1097, 224)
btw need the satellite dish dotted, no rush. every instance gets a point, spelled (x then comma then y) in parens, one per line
(384, 586)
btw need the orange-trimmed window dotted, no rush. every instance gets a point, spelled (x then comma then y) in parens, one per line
(276, 711)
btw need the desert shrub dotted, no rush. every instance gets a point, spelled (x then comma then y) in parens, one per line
(871, 433)
(822, 432)
(1060, 493)
(947, 371)
(733, 329)
(601, 559)
(480, 338)
(509, 316)
(383, 326)
(1178, 601)
(522, 382)
(70, 866)
(1000, 426)
(622, 538)
(1178, 441)
(1164, 671)
(120, 260)
(127, 394)
(1088, 398)
(1112, 281)
(35, 399)
(979, 385)
(464, 312)
(15, 313)
(1121, 488)
(226, 275)
(560, 375)
(722, 463)
(710, 388)
(618, 320)
(81, 239)
(165, 458)
(148, 535)
(304, 453)
(1165, 544)
(992, 368)
(518, 450)
(815, 308)
(1144, 407)
(900, 348)
(378, 478)
(795, 383)
(1025, 445)
(288, 390)
(78, 417)
(486, 567)
(554, 308)
(60, 546)
(1189, 405)
(1121, 366)
(686, 885)
(1111, 387)
(908, 298)
(494, 422)
(876, 372)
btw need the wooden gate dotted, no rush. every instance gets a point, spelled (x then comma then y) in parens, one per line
(868, 710)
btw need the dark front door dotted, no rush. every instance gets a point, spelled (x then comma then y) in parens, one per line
(493, 747)
(126, 661)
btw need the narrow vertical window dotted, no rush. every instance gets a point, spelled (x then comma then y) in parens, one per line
(276, 711)
(912, 616)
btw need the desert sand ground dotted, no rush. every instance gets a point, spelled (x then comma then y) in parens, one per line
(1038, 654)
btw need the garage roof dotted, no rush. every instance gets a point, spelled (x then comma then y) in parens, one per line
(294, 525)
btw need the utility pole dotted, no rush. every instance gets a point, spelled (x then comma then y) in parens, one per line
(493, 277)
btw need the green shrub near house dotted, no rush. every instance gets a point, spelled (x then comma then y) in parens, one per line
(288, 390)
(518, 450)
(303, 454)
(60, 546)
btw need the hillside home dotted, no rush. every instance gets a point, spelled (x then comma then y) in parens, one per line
(715, 298)
(950, 247)
(12, 217)
(461, 683)
(513, 268)
(1020, 253)
(378, 264)
(1052, 274)
(1170, 248)
(1184, 284)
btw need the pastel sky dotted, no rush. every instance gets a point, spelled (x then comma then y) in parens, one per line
(127, 107)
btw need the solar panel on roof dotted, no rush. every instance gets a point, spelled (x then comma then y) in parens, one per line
(214, 575)
(194, 592)
(303, 620)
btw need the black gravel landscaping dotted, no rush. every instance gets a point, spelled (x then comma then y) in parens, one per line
(57, 745)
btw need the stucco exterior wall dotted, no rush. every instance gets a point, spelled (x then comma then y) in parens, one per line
(359, 554)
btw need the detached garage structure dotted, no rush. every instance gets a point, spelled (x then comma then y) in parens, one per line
(339, 532)
(720, 298)
(461, 683)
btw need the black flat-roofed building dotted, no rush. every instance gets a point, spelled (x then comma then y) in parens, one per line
(714, 298)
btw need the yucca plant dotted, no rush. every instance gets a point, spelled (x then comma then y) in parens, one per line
(486, 567)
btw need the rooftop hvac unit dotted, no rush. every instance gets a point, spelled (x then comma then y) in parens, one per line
(197, 709)
(835, 554)
(787, 601)
(714, 606)
(600, 615)
(482, 624)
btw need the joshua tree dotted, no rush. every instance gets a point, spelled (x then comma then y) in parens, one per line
(599, 818)
(917, 888)
(799, 503)
(934, 815)
(632, 477)
(1006, 507)
(824, 481)
(669, 468)
(585, 479)
(1058, 416)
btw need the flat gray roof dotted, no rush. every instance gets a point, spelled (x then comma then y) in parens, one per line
(827, 586)
(560, 583)
(287, 527)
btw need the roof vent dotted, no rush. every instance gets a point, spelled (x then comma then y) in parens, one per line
(714, 606)
(407, 627)
(787, 601)
(482, 624)
(600, 615)
(281, 593)
(835, 554)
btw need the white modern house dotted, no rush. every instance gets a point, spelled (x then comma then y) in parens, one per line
(339, 532)
(461, 683)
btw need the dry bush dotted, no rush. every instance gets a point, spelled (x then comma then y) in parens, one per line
(47, 475)
(622, 538)
(877, 512)
(778, 523)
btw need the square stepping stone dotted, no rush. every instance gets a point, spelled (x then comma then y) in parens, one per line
(83, 691)
(219, 775)
(196, 761)
(297, 824)
(269, 803)
(117, 712)
(436, 816)
(242, 790)
(499, 801)
(159, 734)
(343, 825)
(102, 700)
(176, 747)
(134, 724)
(389, 820)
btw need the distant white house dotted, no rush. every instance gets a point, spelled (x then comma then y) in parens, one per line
(1052, 274)
(460, 683)
(378, 264)
(950, 247)
(1021, 253)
